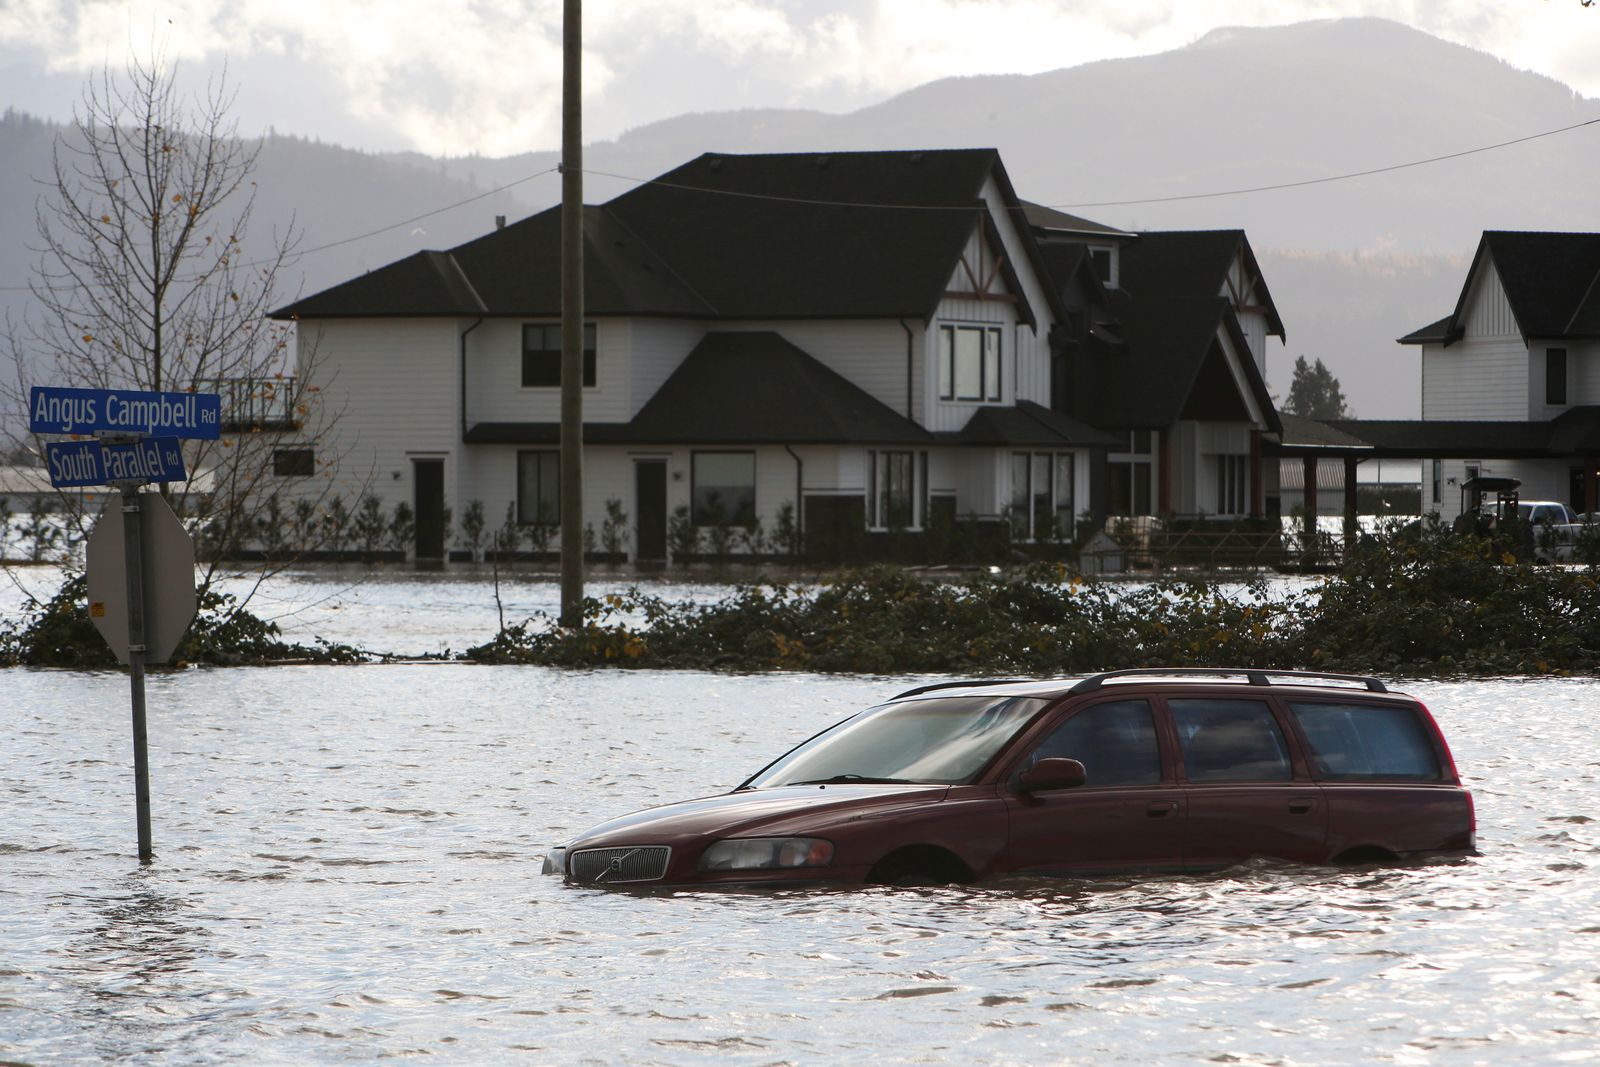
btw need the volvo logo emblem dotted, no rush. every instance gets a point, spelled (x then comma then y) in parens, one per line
(615, 866)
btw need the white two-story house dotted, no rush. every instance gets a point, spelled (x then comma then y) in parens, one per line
(1511, 377)
(850, 341)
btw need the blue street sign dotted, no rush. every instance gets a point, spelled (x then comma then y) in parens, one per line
(74, 464)
(87, 411)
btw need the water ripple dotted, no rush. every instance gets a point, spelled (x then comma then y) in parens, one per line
(347, 871)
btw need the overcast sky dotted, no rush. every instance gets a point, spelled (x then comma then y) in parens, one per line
(454, 77)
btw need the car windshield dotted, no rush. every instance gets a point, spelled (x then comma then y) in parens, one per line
(944, 740)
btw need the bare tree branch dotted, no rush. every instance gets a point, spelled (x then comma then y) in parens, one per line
(143, 282)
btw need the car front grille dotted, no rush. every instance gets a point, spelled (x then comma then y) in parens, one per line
(613, 866)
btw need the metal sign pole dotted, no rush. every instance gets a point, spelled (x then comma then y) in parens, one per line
(133, 554)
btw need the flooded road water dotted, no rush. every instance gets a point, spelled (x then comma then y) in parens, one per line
(347, 871)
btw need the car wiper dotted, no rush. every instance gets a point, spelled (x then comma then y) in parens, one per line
(855, 778)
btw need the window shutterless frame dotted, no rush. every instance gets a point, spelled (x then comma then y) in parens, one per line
(970, 357)
(541, 355)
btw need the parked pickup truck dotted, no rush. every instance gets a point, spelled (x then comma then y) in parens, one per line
(1555, 529)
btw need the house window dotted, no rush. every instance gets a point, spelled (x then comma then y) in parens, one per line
(1438, 480)
(541, 355)
(1555, 376)
(539, 488)
(293, 462)
(892, 490)
(724, 491)
(1104, 266)
(1128, 476)
(969, 363)
(1042, 489)
(1233, 485)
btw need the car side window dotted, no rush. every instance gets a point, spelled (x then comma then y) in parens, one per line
(1358, 741)
(1115, 742)
(1230, 741)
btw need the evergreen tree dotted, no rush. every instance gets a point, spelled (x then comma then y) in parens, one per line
(1315, 392)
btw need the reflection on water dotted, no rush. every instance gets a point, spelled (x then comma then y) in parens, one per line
(347, 862)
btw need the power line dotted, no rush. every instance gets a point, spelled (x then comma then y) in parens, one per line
(363, 236)
(1332, 177)
(1106, 203)
(927, 207)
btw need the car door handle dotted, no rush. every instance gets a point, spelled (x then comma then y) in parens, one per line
(1299, 807)
(1161, 811)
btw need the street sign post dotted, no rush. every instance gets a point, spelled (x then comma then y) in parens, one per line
(142, 597)
(166, 555)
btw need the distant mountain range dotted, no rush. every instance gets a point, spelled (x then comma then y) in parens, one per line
(1351, 264)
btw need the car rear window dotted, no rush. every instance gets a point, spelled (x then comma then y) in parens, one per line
(1230, 741)
(1360, 741)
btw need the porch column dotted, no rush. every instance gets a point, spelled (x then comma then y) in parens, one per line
(1258, 488)
(1351, 529)
(1164, 475)
(1310, 463)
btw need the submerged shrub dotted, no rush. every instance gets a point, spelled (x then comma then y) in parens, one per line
(59, 633)
(1434, 603)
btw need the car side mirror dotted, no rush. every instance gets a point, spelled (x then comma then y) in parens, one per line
(1053, 773)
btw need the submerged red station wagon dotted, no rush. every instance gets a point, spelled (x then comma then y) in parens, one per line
(1153, 770)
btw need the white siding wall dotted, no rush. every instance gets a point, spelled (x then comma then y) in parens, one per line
(1583, 371)
(1583, 376)
(1486, 375)
(494, 376)
(1475, 379)
(1488, 311)
(390, 386)
(658, 347)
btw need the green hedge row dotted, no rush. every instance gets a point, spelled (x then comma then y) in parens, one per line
(1437, 603)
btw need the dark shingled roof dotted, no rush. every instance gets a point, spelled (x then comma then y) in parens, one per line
(1192, 263)
(1552, 281)
(745, 388)
(1041, 217)
(1028, 424)
(1461, 439)
(802, 235)
(1171, 362)
(1300, 432)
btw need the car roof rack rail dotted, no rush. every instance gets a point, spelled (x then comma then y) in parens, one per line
(1254, 675)
(965, 683)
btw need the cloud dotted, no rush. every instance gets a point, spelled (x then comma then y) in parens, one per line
(485, 75)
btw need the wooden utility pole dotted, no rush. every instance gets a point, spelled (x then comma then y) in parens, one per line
(572, 315)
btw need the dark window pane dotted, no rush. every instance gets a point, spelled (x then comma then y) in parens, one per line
(724, 488)
(1119, 488)
(293, 462)
(1101, 258)
(1230, 741)
(541, 355)
(1555, 376)
(1141, 489)
(1367, 741)
(539, 488)
(1116, 743)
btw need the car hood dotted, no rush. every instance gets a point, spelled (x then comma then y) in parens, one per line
(793, 809)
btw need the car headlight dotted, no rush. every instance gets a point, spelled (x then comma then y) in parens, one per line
(766, 853)
(555, 861)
